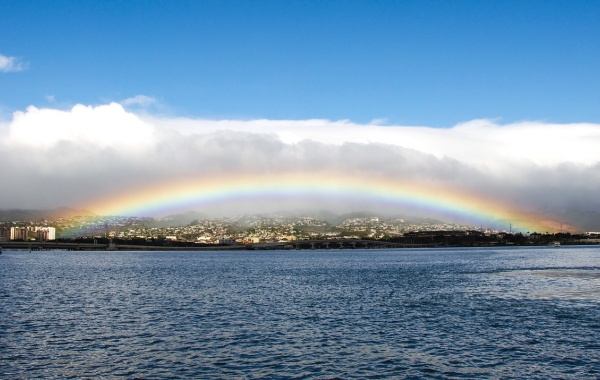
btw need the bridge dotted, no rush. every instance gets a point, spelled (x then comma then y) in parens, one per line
(336, 244)
(296, 244)
(52, 245)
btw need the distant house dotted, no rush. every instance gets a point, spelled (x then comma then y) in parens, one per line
(227, 241)
(251, 240)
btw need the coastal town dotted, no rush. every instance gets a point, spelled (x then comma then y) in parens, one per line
(270, 229)
(241, 229)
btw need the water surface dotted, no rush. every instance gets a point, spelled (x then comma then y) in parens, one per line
(431, 313)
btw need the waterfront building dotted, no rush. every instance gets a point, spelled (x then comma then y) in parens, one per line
(4, 233)
(18, 233)
(46, 233)
(227, 241)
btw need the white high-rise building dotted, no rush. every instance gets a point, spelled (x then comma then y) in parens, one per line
(18, 233)
(46, 233)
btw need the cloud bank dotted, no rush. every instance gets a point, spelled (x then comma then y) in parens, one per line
(54, 157)
(11, 64)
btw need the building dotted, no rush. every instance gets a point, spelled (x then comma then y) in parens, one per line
(4, 233)
(227, 241)
(18, 233)
(46, 233)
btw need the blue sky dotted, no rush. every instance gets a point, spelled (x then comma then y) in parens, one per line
(433, 63)
(496, 99)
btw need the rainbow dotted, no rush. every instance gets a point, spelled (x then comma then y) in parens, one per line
(186, 194)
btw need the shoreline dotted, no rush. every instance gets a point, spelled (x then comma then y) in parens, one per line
(299, 245)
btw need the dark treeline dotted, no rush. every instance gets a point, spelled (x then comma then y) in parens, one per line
(477, 238)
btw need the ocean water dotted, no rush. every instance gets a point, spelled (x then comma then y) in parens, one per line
(430, 313)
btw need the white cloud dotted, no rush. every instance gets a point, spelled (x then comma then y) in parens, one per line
(11, 64)
(106, 126)
(140, 101)
(478, 143)
(62, 157)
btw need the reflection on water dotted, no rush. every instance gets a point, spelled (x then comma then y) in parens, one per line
(447, 313)
(571, 284)
(588, 274)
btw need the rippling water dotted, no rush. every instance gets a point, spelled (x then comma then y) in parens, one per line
(448, 313)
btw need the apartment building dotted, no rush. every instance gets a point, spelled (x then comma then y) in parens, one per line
(46, 233)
